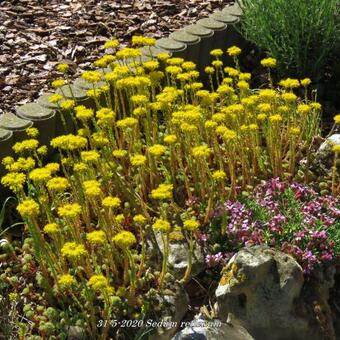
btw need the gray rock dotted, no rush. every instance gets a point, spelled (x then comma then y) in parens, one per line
(324, 157)
(179, 305)
(178, 258)
(259, 288)
(76, 333)
(201, 329)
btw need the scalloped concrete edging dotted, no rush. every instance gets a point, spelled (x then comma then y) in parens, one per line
(192, 42)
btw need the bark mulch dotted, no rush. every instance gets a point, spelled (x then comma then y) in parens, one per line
(37, 34)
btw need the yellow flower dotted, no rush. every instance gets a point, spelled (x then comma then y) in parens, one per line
(164, 191)
(105, 116)
(90, 156)
(69, 142)
(336, 149)
(170, 139)
(52, 167)
(229, 135)
(210, 125)
(83, 113)
(264, 107)
(14, 180)
(209, 70)
(28, 208)
(275, 118)
(162, 226)
(268, 62)
(120, 218)
(42, 150)
(267, 94)
(128, 53)
(92, 188)
(234, 51)
(7, 160)
(63, 68)
(66, 280)
(140, 41)
(51, 228)
(289, 97)
(216, 52)
(32, 132)
(289, 83)
(175, 61)
(55, 98)
(58, 184)
(305, 82)
(190, 225)
(303, 108)
(111, 202)
(188, 66)
(138, 160)
(67, 104)
(157, 150)
(98, 282)
(80, 167)
(295, 131)
(73, 250)
(163, 56)
(217, 63)
(244, 76)
(219, 175)
(151, 65)
(315, 106)
(40, 175)
(111, 43)
(201, 151)
(139, 219)
(337, 119)
(69, 210)
(243, 85)
(119, 153)
(92, 76)
(127, 122)
(26, 145)
(58, 83)
(124, 239)
(173, 70)
(232, 72)
(96, 237)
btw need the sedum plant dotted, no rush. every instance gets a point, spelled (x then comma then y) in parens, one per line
(151, 139)
(300, 34)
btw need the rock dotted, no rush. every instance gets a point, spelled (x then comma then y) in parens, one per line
(324, 157)
(178, 306)
(201, 329)
(76, 333)
(260, 287)
(178, 258)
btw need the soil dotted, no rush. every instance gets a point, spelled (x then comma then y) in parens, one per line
(35, 35)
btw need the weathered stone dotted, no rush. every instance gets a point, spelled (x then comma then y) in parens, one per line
(324, 157)
(76, 333)
(201, 329)
(178, 258)
(260, 288)
(178, 302)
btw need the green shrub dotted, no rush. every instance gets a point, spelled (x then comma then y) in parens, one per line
(300, 34)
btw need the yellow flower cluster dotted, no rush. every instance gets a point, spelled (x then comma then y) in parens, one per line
(125, 239)
(73, 250)
(162, 226)
(69, 210)
(163, 192)
(28, 208)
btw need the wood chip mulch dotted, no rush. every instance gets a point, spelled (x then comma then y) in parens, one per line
(37, 34)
